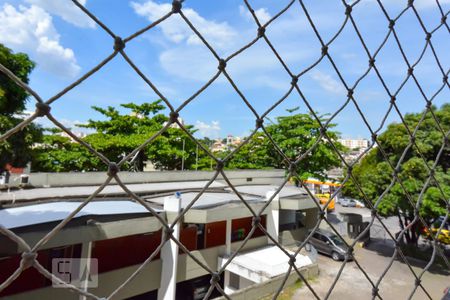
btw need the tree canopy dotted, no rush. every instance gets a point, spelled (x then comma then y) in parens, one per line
(15, 151)
(374, 174)
(294, 134)
(118, 135)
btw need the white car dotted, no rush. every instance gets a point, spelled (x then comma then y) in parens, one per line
(346, 202)
(359, 203)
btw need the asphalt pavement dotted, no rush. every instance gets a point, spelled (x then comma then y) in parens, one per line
(397, 283)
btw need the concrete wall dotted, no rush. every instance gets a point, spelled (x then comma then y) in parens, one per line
(291, 237)
(148, 279)
(258, 291)
(237, 177)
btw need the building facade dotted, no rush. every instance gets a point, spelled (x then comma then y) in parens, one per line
(122, 234)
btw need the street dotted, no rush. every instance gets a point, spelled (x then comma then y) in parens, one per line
(398, 283)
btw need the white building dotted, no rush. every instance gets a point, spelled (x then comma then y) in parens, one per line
(355, 143)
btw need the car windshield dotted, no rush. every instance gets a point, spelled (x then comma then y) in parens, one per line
(337, 241)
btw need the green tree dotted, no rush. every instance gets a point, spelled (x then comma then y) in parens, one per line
(294, 134)
(15, 151)
(118, 135)
(374, 174)
(58, 153)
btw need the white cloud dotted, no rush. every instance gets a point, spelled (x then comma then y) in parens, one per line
(176, 30)
(261, 13)
(208, 130)
(182, 56)
(68, 11)
(327, 82)
(31, 30)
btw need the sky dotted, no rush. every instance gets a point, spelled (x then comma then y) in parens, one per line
(65, 44)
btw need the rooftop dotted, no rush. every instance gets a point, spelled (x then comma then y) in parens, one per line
(49, 212)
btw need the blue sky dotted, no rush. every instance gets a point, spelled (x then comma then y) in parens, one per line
(65, 44)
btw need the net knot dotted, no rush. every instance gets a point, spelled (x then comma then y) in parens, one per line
(176, 6)
(220, 164)
(348, 10)
(391, 24)
(222, 64)
(259, 122)
(350, 169)
(294, 80)
(393, 99)
(374, 137)
(350, 250)
(324, 50)
(28, 259)
(292, 167)
(292, 260)
(445, 78)
(215, 278)
(42, 109)
(113, 169)
(321, 214)
(374, 291)
(373, 212)
(256, 220)
(372, 62)
(410, 71)
(173, 117)
(428, 37)
(261, 32)
(349, 93)
(168, 233)
(119, 44)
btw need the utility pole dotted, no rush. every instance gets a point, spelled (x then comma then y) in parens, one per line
(182, 158)
(196, 159)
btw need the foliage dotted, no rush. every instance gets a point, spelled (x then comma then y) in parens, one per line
(294, 134)
(16, 150)
(374, 174)
(13, 97)
(118, 135)
(58, 153)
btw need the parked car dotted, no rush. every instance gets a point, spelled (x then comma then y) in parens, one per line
(346, 202)
(359, 203)
(446, 294)
(328, 243)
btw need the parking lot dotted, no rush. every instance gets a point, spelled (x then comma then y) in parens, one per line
(352, 284)
(398, 283)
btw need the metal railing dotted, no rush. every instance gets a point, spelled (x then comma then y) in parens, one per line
(43, 109)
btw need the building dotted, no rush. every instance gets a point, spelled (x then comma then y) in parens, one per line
(233, 141)
(122, 234)
(218, 146)
(355, 143)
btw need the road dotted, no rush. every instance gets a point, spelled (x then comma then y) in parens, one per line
(398, 283)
